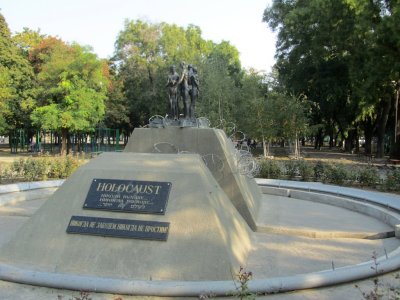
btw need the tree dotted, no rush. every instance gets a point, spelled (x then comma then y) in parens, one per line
(287, 117)
(28, 39)
(144, 53)
(140, 68)
(250, 108)
(17, 94)
(313, 55)
(73, 84)
(219, 86)
(375, 68)
(341, 54)
(117, 110)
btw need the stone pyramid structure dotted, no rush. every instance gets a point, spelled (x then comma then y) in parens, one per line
(218, 153)
(194, 231)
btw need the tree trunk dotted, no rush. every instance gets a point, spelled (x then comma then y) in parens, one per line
(64, 139)
(368, 132)
(382, 128)
(265, 147)
(336, 139)
(296, 149)
(357, 140)
(319, 140)
(396, 150)
(331, 140)
(349, 141)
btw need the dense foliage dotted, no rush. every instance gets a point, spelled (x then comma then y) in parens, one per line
(72, 86)
(17, 95)
(336, 75)
(384, 179)
(343, 56)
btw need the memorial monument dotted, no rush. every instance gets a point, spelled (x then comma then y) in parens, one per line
(172, 206)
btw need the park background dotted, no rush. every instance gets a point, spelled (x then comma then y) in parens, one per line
(334, 85)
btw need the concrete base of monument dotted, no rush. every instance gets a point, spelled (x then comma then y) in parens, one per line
(175, 221)
(303, 228)
(216, 150)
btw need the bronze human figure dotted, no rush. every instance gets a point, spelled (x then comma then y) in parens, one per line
(172, 85)
(184, 90)
(193, 90)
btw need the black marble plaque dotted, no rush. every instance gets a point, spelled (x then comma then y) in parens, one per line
(149, 197)
(135, 229)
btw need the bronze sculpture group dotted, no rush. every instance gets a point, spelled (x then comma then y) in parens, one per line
(184, 87)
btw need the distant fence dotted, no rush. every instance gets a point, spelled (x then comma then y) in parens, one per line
(101, 140)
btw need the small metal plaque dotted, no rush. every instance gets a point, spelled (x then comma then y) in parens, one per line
(128, 196)
(134, 229)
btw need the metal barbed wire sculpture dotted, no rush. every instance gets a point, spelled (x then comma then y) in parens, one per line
(247, 164)
(157, 121)
(165, 147)
(203, 122)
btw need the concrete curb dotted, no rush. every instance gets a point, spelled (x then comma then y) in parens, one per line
(195, 288)
(383, 199)
(25, 186)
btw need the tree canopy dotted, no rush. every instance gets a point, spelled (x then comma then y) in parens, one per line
(336, 75)
(72, 87)
(16, 83)
(144, 53)
(341, 54)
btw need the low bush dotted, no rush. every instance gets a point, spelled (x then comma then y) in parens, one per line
(291, 168)
(270, 169)
(40, 168)
(368, 176)
(35, 169)
(338, 174)
(392, 180)
(319, 171)
(306, 170)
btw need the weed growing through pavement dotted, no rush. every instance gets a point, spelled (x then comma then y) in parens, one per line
(379, 290)
(83, 295)
(242, 291)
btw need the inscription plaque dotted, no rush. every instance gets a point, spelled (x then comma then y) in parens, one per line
(128, 195)
(135, 229)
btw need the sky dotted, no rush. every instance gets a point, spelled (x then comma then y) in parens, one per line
(96, 23)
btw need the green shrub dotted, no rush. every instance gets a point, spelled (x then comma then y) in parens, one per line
(392, 180)
(368, 176)
(42, 168)
(319, 171)
(336, 174)
(291, 168)
(17, 167)
(270, 169)
(5, 174)
(306, 170)
(35, 169)
(63, 166)
(71, 164)
(57, 168)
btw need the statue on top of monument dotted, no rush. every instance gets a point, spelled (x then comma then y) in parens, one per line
(187, 83)
(184, 89)
(172, 85)
(193, 90)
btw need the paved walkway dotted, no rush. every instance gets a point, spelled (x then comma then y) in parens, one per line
(284, 247)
